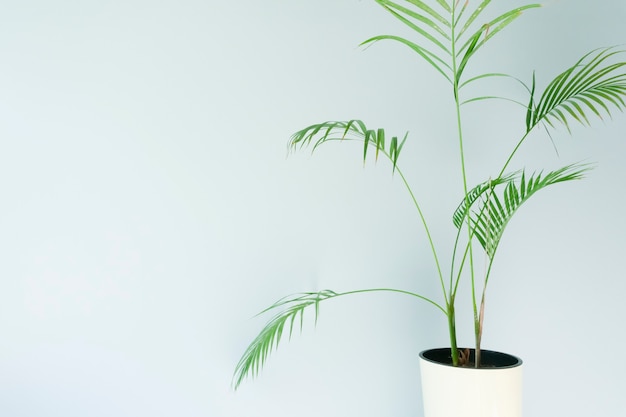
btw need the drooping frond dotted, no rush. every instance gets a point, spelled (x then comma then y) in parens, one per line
(324, 132)
(292, 315)
(255, 356)
(593, 85)
(493, 212)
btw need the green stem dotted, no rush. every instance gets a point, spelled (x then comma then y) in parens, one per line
(458, 277)
(508, 161)
(480, 318)
(424, 224)
(421, 297)
(479, 337)
(454, 350)
(427, 230)
(462, 156)
(453, 261)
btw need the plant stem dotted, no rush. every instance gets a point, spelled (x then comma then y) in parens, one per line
(455, 70)
(454, 350)
(508, 161)
(396, 291)
(479, 333)
(427, 230)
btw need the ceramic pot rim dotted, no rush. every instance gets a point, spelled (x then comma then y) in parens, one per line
(494, 360)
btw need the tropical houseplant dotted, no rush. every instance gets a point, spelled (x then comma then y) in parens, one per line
(447, 35)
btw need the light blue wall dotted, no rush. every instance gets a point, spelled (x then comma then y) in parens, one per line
(148, 211)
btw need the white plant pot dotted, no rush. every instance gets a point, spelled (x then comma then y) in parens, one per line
(491, 391)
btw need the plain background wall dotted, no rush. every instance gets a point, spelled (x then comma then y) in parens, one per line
(148, 211)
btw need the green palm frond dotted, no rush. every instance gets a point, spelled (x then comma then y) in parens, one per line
(436, 31)
(429, 24)
(475, 193)
(592, 85)
(485, 32)
(460, 14)
(320, 133)
(440, 65)
(292, 315)
(424, 15)
(494, 212)
(421, 20)
(255, 356)
(477, 11)
(494, 25)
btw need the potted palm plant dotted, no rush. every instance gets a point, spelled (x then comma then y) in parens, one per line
(447, 35)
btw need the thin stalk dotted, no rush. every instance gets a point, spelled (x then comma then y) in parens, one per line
(508, 161)
(479, 321)
(465, 252)
(427, 230)
(459, 124)
(422, 219)
(458, 276)
(454, 250)
(454, 350)
(421, 297)
(481, 317)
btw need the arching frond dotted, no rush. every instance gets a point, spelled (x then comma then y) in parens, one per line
(485, 32)
(433, 59)
(493, 26)
(475, 193)
(593, 85)
(430, 11)
(460, 14)
(477, 11)
(292, 315)
(493, 212)
(433, 29)
(424, 15)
